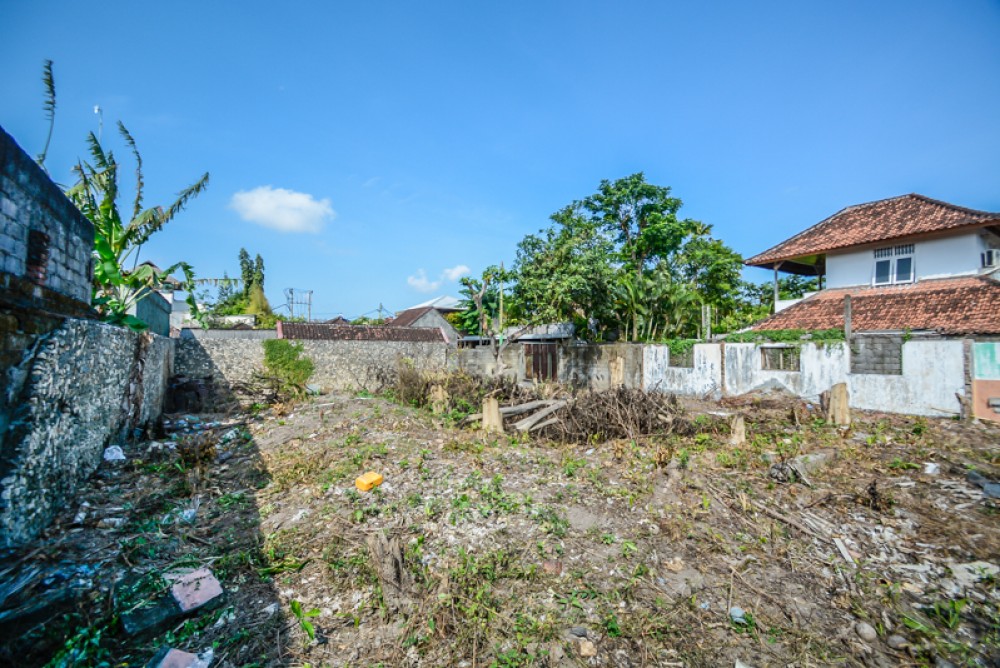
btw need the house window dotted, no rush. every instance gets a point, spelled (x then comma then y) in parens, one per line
(894, 264)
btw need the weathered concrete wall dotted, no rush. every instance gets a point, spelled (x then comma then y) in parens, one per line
(76, 389)
(338, 364)
(35, 216)
(933, 374)
(820, 367)
(480, 361)
(154, 310)
(703, 378)
(600, 367)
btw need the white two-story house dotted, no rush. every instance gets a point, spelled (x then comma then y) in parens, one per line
(909, 265)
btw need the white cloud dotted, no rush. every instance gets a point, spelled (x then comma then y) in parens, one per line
(456, 272)
(420, 283)
(282, 210)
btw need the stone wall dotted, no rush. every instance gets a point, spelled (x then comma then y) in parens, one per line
(338, 364)
(43, 237)
(76, 389)
(601, 366)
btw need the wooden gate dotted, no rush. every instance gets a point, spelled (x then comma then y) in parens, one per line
(540, 361)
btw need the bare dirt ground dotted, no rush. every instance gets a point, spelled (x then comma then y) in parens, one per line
(513, 551)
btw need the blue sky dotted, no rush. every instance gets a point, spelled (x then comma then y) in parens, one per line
(372, 151)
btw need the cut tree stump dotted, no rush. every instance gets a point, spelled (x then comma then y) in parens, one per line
(397, 581)
(835, 400)
(438, 399)
(492, 420)
(738, 434)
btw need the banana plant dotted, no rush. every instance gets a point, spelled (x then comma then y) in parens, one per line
(119, 280)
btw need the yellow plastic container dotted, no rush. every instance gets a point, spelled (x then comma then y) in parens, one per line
(368, 481)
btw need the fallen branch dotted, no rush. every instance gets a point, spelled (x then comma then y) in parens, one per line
(529, 422)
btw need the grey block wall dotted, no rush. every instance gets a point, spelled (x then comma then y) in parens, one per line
(881, 354)
(30, 201)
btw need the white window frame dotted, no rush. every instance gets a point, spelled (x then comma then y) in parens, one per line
(892, 255)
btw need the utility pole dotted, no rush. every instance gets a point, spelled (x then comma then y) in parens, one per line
(305, 300)
(501, 298)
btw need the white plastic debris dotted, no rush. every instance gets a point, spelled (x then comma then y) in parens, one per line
(114, 454)
(932, 468)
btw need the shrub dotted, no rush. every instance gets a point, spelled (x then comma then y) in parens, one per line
(286, 367)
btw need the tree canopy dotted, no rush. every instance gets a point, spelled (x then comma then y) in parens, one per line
(621, 263)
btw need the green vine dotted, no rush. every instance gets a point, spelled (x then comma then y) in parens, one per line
(787, 335)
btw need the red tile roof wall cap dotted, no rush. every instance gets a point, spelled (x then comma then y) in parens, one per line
(883, 220)
(954, 306)
(324, 332)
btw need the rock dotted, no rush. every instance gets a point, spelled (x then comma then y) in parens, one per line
(190, 591)
(556, 653)
(897, 642)
(969, 574)
(114, 454)
(992, 490)
(737, 615)
(552, 567)
(578, 631)
(587, 649)
(814, 461)
(866, 632)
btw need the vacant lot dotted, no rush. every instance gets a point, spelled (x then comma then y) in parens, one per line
(669, 550)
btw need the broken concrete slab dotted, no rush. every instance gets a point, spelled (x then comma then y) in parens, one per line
(195, 589)
(189, 591)
(169, 657)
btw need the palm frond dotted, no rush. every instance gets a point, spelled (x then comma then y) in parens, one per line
(139, 184)
(49, 105)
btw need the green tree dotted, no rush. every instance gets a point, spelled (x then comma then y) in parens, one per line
(246, 271)
(565, 273)
(119, 281)
(642, 219)
(258, 271)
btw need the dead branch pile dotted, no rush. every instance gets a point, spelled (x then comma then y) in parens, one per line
(618, 413)
(464, 391)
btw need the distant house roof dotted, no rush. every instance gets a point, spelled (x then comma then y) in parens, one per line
(555, 330)
(324, 332)
(409, 316)
(955, 306)
(444, 303)
(339, 320)
(874, 222)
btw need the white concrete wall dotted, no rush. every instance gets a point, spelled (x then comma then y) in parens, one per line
(821, 366)
(933, 373)
(940, 258)
(932, 258)
(705, 377)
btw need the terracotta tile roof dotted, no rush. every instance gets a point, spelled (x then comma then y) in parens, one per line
(324, 332)
(409, 316)
(956, 306)
(873, 222)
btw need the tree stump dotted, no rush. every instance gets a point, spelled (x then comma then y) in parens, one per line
(838, 411)
(738, 433)
(438, 399)
(397, 581)
(492, 420)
